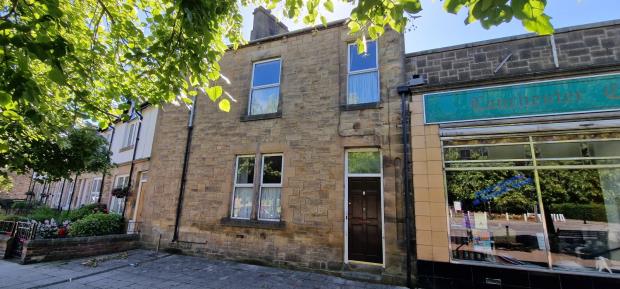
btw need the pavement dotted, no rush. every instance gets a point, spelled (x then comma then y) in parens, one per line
(145, 269)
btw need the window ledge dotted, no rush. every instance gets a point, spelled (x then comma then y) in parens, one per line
(126, 148)
(277, 114)
(370, 105)
(258, 224)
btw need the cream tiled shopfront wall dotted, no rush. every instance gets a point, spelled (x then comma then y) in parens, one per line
(428, 182)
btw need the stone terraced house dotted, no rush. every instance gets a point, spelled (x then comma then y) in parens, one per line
(502, 155)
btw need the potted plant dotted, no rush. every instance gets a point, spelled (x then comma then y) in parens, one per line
(120, 192)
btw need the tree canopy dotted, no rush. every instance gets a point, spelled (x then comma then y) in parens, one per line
(66, 62)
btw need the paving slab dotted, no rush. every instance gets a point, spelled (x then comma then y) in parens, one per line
(144, 269)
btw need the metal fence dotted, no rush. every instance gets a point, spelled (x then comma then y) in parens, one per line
(20, 231)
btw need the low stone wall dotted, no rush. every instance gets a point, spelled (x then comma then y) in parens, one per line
(41, 250)
(6, 243)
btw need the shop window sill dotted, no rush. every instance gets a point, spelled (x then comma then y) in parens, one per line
(370, 105)
(258, 224)
(277, 114)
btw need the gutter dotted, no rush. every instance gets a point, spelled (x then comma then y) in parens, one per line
(405, 92)
(105, 172)
(190, 129)
(133, 158)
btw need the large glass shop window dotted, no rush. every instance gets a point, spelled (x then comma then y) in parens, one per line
(536, 201)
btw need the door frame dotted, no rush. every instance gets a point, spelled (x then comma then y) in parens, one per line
(346, 202)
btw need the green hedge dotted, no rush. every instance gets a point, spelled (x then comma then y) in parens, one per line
(85, 211)
(44, 213)
(96, 225)
(588, 212)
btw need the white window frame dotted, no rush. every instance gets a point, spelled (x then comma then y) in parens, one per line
(113, 198)
(252, 87)
(84, 190)
(262, 185)
(235, 186)
(93, 191)
(346, 201)
(129, 134)
(376, 69)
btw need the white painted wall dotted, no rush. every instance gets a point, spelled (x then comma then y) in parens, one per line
(145, 143)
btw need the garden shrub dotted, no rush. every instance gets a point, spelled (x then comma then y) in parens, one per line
(588, 212)
(96, 225)
(85, 211)
(44, 213)
(12, 218)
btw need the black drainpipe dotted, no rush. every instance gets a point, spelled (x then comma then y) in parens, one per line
(133, 158)
(190, 129)
(105, 171)
(407, 186)
(72, 192)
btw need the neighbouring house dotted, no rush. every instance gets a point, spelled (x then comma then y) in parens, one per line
(20, 185)
(306, 168)
(130, 143)
(515, 146)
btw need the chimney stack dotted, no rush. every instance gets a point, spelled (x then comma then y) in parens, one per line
(265, 24)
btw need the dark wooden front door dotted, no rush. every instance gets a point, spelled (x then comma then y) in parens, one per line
(365, 220)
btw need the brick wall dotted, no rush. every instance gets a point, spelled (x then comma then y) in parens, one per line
(20, 186)
(43, 250)
(577, 48)
(312, 133)
(581, 51)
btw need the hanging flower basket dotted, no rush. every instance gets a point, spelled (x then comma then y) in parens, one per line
(120, 192)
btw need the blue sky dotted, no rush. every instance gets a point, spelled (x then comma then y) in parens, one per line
(436, 28)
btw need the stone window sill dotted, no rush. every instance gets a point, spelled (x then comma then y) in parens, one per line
(277, 114)
(258, 224)
(370, 105)
(126, 148)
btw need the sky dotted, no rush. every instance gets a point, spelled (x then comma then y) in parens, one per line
(437, 28)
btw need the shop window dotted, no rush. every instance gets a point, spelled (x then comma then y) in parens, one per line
(269, 189)
(265, 92)
(553, 202)
(363, 78)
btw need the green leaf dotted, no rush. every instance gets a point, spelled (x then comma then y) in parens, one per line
(324, 21)
(187, 100)
(354, 27)
(540, 25)
(214, 92)
(412, 6)
(224, 105)
(57, 76)
(361, 45)
(453, 6)
(329, 5)
(5, 98)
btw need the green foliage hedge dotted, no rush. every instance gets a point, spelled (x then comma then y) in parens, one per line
(44, 213)
(588, 212)
(85, 211)
(97, 225)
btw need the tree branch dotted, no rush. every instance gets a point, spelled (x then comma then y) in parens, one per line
(107, 12)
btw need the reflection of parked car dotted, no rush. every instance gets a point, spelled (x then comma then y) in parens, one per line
(583, 244)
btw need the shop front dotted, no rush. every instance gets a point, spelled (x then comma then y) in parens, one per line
(531, 183)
